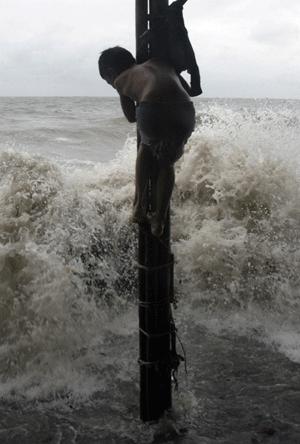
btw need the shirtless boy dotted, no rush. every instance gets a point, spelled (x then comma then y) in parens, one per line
(158, 99)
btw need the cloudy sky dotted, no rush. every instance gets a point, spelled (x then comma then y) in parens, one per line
(245, 48)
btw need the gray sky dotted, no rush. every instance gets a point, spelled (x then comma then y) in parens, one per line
(245, 48)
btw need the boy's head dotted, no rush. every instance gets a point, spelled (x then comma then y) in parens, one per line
(113, 61)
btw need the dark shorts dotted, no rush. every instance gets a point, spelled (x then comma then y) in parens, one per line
(165, 128)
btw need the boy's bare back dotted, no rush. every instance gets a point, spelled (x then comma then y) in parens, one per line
(158, 99)
(153, 81)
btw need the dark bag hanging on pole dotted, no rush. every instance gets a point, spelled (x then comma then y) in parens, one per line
(169, 36)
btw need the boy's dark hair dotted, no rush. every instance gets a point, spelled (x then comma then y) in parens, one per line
(117, 58)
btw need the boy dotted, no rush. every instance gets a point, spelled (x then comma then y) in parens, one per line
(165, 119)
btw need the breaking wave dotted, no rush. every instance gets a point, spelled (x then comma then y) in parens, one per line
(67, 250)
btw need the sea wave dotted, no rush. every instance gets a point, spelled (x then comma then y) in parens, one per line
(67, 249)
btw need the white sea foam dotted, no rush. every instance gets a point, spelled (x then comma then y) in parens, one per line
(67, 250)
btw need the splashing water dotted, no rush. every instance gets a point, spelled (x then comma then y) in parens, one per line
(67, 252)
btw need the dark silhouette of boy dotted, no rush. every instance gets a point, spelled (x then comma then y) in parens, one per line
(155, 96)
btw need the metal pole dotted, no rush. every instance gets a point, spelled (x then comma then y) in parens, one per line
(155, 277)
(141, 25)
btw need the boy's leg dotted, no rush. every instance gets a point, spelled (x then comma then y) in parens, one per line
(143, 169)
(164, 188)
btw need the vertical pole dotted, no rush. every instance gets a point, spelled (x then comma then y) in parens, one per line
(141, 25)
(155, 274)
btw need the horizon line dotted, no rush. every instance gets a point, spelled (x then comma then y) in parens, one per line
(116, 97)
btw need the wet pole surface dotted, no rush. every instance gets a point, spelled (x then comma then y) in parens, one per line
(154, 277)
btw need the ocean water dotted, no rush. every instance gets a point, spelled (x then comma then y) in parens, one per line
(68, 317)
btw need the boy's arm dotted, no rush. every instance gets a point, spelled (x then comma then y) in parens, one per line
(128, 107)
